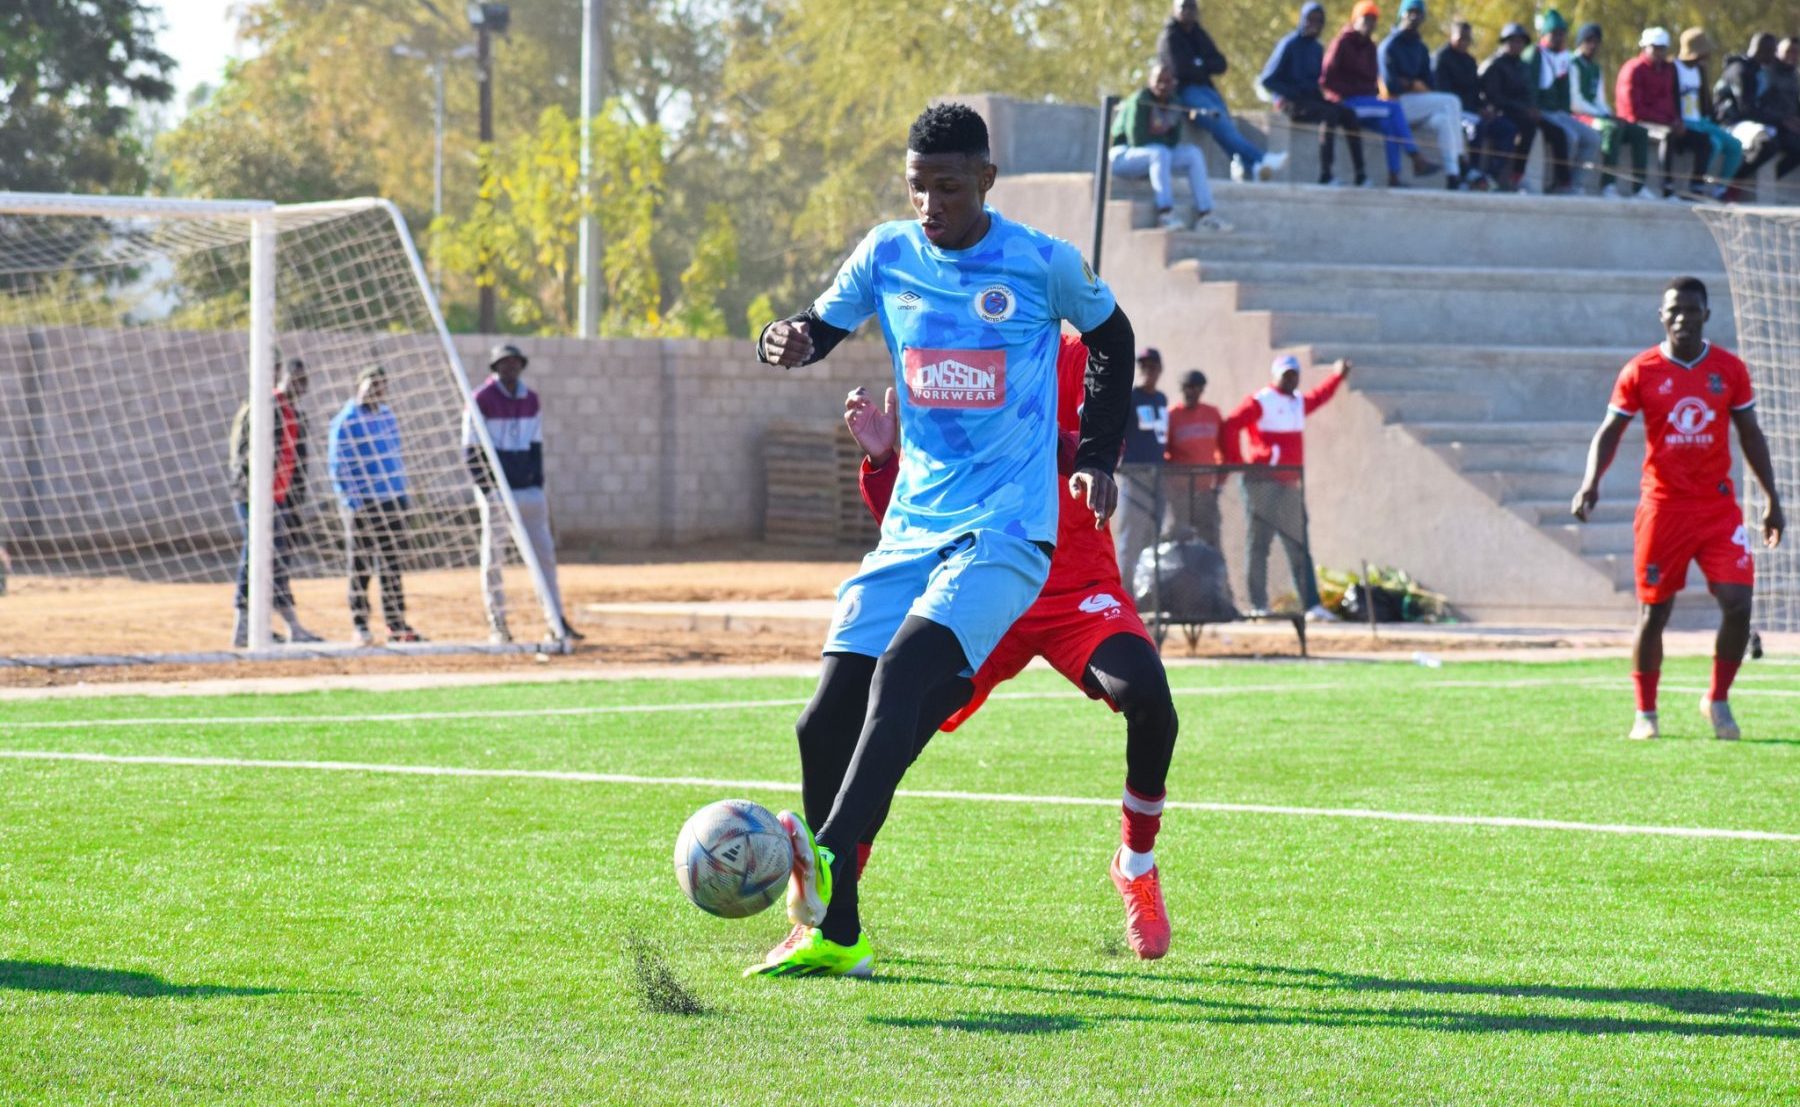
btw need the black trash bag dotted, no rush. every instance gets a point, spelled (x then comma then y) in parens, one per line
(1194, 585)
(1390, 604)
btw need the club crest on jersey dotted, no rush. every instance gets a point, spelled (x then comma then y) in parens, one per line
(1687, 422)
(1715, 384)
(1099, 602)
(956, 378)
(1652, 573)
(996, 303)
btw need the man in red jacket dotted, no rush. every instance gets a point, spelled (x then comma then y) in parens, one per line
(1646, 95)
(1275, 418)
(1084, 624)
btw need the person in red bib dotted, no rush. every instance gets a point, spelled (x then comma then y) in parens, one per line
(1084, 624)
(1691, 394)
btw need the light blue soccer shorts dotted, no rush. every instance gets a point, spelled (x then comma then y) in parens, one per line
(976, 586)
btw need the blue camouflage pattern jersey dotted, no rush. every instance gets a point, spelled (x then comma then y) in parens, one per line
(973, 334)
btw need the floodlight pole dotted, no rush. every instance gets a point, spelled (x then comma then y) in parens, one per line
(484, 61)
(593, 79)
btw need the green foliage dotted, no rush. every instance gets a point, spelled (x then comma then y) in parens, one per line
(697, 313)
(69, 73)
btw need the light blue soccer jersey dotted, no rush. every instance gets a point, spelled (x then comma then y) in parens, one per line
(973, 334)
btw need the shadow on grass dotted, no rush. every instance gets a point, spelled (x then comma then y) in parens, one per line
(47, 976)
(1728, 1014)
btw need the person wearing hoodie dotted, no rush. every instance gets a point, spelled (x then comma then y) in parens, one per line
(1490, 135)
(1550, 61)
(1694, 94)
(1351, 76)
(1645, 91)
(1506, 82)
(1405, 63)
(1752, 100)
(1189, 52)
(1587, 95)
(1291, 78)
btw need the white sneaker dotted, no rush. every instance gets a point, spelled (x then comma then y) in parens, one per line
(1238, 172)
(1211, 222)
(362, 637)
(1725, 728)
(1645, 727)
(1319, 613)
(1272, 163)
(1610, 191)
(1168, 220)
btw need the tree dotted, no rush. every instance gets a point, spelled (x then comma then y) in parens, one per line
(69, 72)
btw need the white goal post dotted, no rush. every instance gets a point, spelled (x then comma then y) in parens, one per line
(1761, 248)
(131, 332)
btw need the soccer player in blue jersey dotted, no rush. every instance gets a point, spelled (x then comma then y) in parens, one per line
(971, 306)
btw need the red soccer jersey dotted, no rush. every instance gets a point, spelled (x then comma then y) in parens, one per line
(1687, 419)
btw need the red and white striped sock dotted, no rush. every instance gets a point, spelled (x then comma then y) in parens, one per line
(1141, 819)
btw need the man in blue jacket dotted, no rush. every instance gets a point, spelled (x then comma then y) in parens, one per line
(1189, 52)
(368, 474)
(1291, 78)
(1406, 77)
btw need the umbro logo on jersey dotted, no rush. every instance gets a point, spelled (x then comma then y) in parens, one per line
(956, 378)
(1098, 602)
(908, 301)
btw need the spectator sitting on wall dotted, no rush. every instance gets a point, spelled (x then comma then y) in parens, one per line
(1189, 52)
(1550, 61)
(1758, 99)
(1780, 106)
(1275, 419)
(1146, 142)
(1506, 81)
(1194, 440)
(1694, 95)
(1291, 77)
(1646, 95)
(1587, 95)
(1405, 63)
(1351, 76)
(1143, 510)
(1490, 135)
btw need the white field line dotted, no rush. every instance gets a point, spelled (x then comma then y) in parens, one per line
(734, 705)
(569, 776)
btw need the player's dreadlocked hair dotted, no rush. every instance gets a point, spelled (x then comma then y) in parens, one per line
(949, 129)
(1689, 284)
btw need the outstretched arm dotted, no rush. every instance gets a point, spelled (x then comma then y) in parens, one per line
(1103, 412)
(797, 340)
(1756, 453)
(1599, 459)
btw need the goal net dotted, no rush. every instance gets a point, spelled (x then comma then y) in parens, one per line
(138, 484)
(1761, 247)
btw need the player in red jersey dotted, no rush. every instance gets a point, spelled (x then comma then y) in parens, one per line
(1084, 624)
(1687, 389)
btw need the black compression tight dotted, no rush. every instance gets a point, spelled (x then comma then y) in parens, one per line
(1130, 672)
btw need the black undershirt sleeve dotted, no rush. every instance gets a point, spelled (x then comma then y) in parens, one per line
(824, 336)
(1108, 403)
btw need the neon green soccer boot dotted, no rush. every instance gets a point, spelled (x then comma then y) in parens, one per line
(817, 956)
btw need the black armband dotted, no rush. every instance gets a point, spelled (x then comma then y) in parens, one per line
(825, 337)
(1108, 403)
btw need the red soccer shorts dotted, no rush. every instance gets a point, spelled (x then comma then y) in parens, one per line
(1064, 628)
(1670, 535)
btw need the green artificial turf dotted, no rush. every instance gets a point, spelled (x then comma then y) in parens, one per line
(199, 934)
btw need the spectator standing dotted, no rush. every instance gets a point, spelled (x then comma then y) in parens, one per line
(1646, 95)
(510, 412)
(368, 473)
(1189, 52)
(1146, 142)
(1405, 63)
(290, 494)
(1350, 75)
(1694, 95)
(1143, 511)
(1490, 135)
(1506, 81)
(1194, 440)
(1291, 77)
(1587, 95)
(1549, 59)
(1275, 419)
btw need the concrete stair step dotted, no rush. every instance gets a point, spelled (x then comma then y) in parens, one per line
(1508, 484)
(1500, 278)
(1412, 405)
(1566, 459)
(1294, 327)
(1447, 361)
(1591, 538)
(1509, 432)
(1556, 512)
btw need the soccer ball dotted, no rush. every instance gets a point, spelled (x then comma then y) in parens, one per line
(732, 858)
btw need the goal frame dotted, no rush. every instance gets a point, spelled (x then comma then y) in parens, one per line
(261, 220)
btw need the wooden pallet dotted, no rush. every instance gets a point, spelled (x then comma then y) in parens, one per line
(810, 475)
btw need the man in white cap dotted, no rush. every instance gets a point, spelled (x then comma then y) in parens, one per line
(1646, 95)
(1275, 503)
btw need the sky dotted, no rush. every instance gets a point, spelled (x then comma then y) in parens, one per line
(201, 36)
